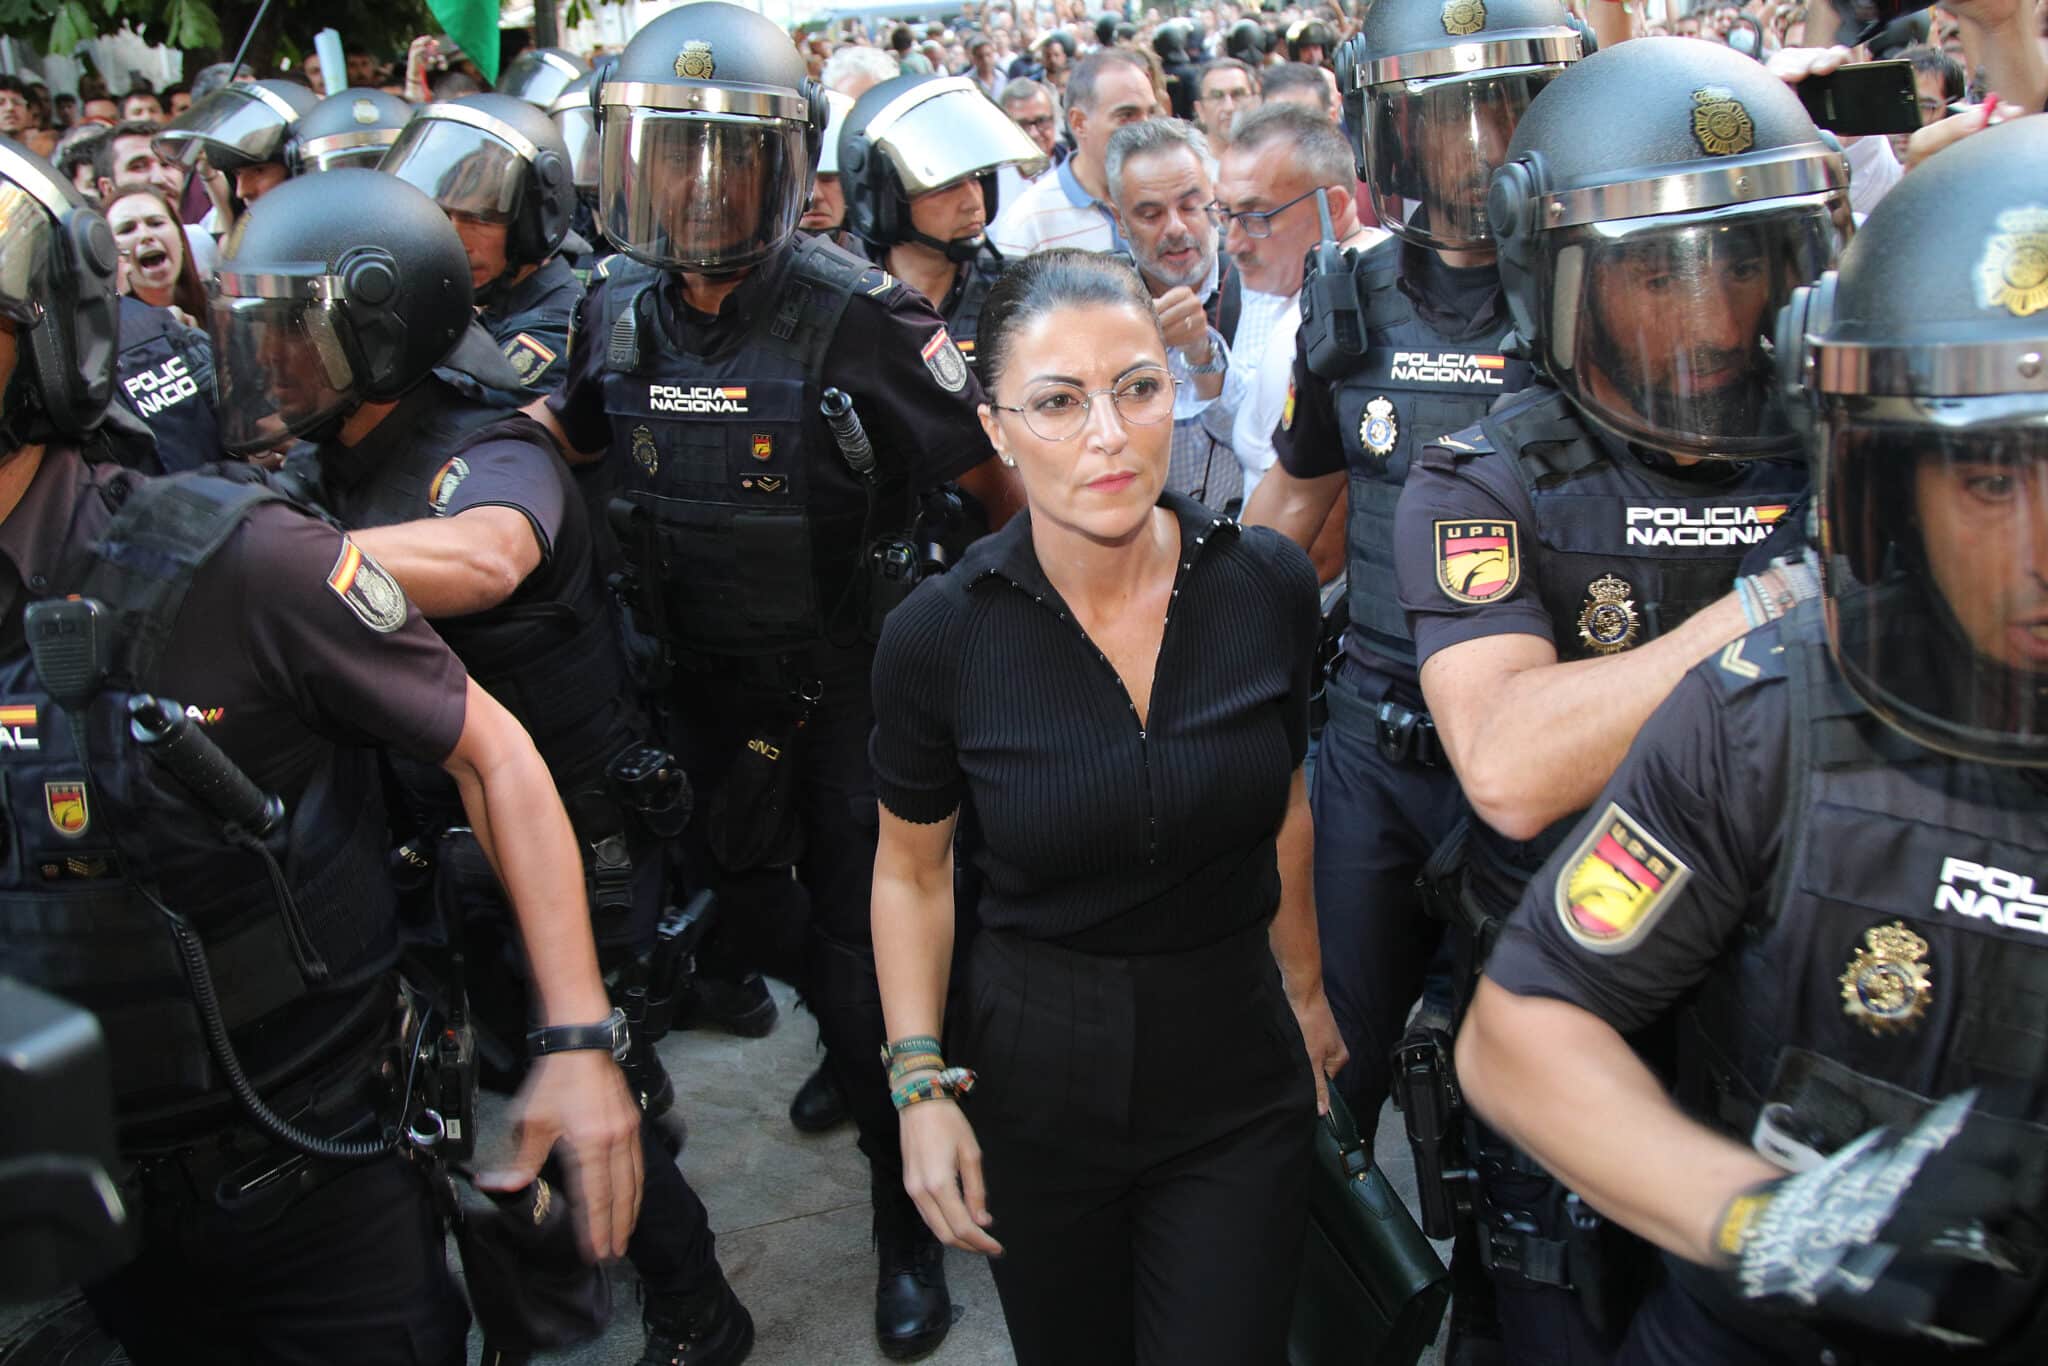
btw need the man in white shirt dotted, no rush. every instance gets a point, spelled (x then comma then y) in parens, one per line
(1279, 155)
(1069, 208)
(1031, 106)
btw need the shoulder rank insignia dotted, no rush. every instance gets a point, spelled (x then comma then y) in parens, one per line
(1751, 658)
(875, 282)
(1887, 988)
(1462, 17)
(1720, 123)
(2013, 272)
(1616, 883)
(1608, 621)
(1477, 561)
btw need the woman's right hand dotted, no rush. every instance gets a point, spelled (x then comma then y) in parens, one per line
(942, 1173)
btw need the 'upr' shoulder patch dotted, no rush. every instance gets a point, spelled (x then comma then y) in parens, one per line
(1616, 883)
(373, 595)
(529, 358)
(1477, 560)
(945, 362)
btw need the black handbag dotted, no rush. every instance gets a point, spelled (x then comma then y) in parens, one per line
(1372, 1289)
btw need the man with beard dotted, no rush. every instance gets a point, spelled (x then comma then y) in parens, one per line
(1564, 562)
(763, 552)
(1159, 187)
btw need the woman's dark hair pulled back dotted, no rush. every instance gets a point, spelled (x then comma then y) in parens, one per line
(1064, 277)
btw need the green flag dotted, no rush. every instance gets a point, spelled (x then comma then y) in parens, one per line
(473, 24)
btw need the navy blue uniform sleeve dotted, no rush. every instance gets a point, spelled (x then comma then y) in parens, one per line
(913, 749)
(1655, 883)
(914, 392)
(579, 403)
(503, 472)
(1461, 537)
(538, 352)
(1307, 442)
(324, 628)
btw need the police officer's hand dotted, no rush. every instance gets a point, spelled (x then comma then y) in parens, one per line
(1934, 1234)
(942, 1173)
(579, 1101)
(1326, 1051)
(1184, 323)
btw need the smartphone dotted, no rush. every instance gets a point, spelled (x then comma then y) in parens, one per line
(1865, 99)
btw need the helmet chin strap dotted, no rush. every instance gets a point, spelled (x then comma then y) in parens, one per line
(958, 250)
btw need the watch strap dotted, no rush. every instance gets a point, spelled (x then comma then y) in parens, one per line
(607, 1036)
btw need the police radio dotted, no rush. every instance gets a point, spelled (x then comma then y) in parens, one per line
(890, 562)
(1332, 318)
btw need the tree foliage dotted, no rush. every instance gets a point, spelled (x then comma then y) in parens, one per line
(210, 30)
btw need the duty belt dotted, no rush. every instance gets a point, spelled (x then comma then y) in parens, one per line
(1404, 734)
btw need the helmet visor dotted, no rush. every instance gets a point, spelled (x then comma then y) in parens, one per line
(1660, 328)
(1431, 147)
(579, 131)
(234, 127)
(1936, 532)
(27, 247)
(949, 136)
(282, 368)
(460, 167)
(700, 190)
(537, 77)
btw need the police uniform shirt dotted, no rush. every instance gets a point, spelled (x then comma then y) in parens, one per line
(530, 323)
(287, 629)
(877, 355)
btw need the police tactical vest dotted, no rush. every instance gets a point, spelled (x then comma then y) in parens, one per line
(720, 454)
(549, 653)
(1412, 385)
(963, 319)
(96, 829)
(1617, 552)
(1900, 953)
(165, 373)
(530, 323)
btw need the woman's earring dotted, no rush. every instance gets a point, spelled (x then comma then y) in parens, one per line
(1007, 460)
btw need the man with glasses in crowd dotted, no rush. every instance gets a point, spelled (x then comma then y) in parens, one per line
(1032, 107)
(1226, 90)
(1069, 208)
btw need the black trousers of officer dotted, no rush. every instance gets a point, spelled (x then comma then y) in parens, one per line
(1377, 822)
(1675, 1328)
(1146, 1127)
(354, 1271)
(719, 705)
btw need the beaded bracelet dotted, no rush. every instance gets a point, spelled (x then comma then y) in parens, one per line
(950, 1084)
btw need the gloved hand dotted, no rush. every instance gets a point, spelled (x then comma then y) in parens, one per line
(1923, 1235)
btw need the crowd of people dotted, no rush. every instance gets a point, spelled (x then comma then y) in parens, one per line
(1173, 576)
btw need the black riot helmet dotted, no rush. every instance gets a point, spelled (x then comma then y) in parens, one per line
(914, 134)
(1440, 86)
(709, 129)
(1645, 266)
(576, 121)
(1246, 41)
(539, 75)
(1924, 393)
(494, 158)
(1309, 33)
(247, 123)
(335, 291)
(57, 277)
(353, 128)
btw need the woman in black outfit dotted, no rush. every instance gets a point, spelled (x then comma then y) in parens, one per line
(1119, 682)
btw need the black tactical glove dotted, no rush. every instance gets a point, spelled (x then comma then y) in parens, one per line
(1922, 1237)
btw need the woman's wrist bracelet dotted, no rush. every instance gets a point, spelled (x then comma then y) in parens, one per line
(951, 1084)
(915, 1043)
(915, 1062)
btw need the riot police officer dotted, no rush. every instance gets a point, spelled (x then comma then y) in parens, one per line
(350, 128)
(164, 370)
(247, 131)
(1564, 561)
(476, 520)
(499, 169)
(576, 121)
(1427, 354)
(1822, 856)
(764, 551)
(825, 213)
(918, 158)
(238, 953)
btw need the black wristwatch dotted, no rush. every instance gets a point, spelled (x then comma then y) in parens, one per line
(609, 1035)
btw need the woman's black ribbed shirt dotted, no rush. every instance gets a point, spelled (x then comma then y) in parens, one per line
(1094, 832)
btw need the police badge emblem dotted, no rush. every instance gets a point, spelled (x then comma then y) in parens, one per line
(369, 592)
(362, 111)
(694, 62)
(762, 446)
(447, 479)
(1720, 123)
(945, 362)
(1464, 16)
(2013, 272)
(1886, 988)
(1608, 621)
(1377, 429)
(1612, 888)
(644, 453)
(64, 804)
(1477, 561)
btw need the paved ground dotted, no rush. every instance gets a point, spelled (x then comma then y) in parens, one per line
(791, 1214)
